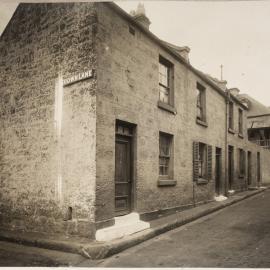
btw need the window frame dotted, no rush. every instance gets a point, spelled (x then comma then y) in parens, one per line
(241, 162)
(169, 86)
(201, 104)
(240, 122)
(202, 161)
(168, 138)
(231, 116)
(208, 156)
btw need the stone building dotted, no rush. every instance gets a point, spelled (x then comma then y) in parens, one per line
(100, 118)
(258, 121)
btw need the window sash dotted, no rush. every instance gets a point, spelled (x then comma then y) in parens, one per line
(164, 94)
(240, 121)
(200, 103)
(163, 75)
(202, 161)
(164, 154)
(164, 166)
(164, 82)
(231, 115)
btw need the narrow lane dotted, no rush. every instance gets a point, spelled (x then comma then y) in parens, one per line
(237, 236)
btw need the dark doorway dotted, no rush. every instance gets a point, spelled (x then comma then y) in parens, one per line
(230, 166)
(123, 169)
(258, 168)
(218, 171)
(249, 169)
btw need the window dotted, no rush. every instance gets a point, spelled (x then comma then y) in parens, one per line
(240, 121)
(165, 155)
(165, 81)
(201, 109)
(231, 115)
(202, 161)
(202, 166)
(242, 162)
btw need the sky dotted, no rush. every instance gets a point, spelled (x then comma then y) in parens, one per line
(235, 34)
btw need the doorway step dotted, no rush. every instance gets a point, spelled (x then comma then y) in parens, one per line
(124, 225)
(220, 198)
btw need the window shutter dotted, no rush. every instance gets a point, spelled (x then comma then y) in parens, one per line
(209, 162)
(244, 162)
(195, 161)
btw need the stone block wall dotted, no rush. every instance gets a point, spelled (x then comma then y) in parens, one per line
(128, 91)
(47, 137)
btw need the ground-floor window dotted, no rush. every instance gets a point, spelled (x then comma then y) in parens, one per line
(242, 161)
(202, 161)
(165, 154)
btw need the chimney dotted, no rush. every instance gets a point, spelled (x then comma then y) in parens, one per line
(222, 84)
(184, 52)
(140, 17)
(234, 91)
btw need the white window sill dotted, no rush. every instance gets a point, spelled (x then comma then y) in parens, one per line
(231, 131)
(202, 123)
(166, 107)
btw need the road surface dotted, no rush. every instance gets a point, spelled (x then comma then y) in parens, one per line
(236, 236)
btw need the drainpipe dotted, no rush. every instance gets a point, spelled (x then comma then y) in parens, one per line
(226, 142)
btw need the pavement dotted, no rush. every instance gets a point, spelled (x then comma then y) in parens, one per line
(233, 237)
(99, 250)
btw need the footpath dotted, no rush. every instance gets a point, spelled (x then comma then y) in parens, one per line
(98, 250)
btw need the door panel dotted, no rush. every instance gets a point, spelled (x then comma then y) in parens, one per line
(218, 171)
(249, 168)
(122, 175)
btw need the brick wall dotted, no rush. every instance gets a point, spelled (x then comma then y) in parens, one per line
(47, 150)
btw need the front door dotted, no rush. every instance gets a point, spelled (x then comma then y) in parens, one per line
(249, 168)
(123, 181)
(258, 168)
(218, 170)
(230, 166)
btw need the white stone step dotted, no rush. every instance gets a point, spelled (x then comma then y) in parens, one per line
(124, 225)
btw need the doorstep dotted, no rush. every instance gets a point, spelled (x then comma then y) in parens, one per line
(98, 250)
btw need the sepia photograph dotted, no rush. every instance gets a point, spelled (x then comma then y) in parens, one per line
(135, 134)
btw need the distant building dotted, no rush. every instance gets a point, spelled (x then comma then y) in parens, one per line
(258, 121)
(100, 118)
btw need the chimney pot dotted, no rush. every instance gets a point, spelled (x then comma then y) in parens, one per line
(140, 16)
(234, 91)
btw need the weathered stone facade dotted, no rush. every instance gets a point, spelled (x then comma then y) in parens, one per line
(47, 131)
(57, 155)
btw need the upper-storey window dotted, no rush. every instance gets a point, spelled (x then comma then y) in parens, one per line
(201, 103)
(165, 81)
(231, 115)
(240, 121)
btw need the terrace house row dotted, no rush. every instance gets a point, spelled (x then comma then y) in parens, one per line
(100, 118)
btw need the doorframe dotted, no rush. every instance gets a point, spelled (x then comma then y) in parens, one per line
(249, 165)
(218, 152)
(259, 169)
(133, 144)
(230, 166)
